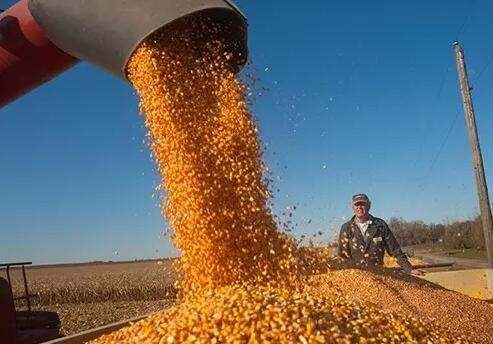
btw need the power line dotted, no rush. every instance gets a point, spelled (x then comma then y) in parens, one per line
(442, 84)
(485, 67)
(462, 28)
(435, 106)
(435, 159)
(466, 20)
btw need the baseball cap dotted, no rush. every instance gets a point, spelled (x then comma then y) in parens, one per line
(361, 197)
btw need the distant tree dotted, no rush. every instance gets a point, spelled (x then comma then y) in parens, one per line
(438, 232)
(477, 232)
(456, 235)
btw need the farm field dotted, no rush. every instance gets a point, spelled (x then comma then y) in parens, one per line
(90, 295)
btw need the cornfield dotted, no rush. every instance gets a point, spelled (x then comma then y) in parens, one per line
(115, 282)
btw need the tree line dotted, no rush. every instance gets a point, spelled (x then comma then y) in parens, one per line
(456, 235)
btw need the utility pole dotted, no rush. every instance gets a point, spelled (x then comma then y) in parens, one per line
(484, 202)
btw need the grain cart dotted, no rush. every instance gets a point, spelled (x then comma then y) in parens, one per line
(472, 279)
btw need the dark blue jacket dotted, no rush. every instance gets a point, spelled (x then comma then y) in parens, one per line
(371, 248)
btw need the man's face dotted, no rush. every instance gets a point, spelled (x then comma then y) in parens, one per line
(360, 209)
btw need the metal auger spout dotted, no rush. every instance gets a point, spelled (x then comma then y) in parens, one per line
(40, 39)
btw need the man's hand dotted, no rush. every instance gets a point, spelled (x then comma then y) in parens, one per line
(417, 272)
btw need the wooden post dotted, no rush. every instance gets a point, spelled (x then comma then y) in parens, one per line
(484, 202)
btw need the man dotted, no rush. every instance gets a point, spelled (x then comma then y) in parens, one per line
(365, 238)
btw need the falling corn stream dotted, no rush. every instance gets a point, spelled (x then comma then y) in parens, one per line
(244, 281)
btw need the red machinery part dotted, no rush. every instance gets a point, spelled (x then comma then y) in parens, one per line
(40, 39)
(27, 57)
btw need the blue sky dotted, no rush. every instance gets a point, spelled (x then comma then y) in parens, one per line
(361, 97)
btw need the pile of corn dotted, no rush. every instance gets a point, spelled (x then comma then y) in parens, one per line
(243, 280)
(403, 294)
(274, 315)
